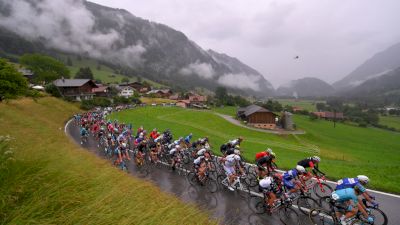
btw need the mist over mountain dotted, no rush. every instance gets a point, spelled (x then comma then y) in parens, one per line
(378, 65)
(385, 88)
(148, 49)
(306, 87)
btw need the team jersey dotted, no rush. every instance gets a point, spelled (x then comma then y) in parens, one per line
(231, 160)
(350, 183)
(345, 195)
(201, 151)
(261, 154)
(306, 163)
(291, 174)
(266, 160)
(188, 138)
(83, 131)
(197, 161)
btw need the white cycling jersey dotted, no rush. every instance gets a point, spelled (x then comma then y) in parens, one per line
(201, 152)
(197, 161)
(231, 160)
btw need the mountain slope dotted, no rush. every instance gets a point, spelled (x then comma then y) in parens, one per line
(386, 88)
(378, 65)
(306, 87)
(145, 48)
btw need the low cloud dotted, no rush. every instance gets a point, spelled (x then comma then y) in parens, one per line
(68, 26)
(203, 70)
(240, 80)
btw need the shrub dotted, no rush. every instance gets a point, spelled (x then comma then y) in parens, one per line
(53, 90)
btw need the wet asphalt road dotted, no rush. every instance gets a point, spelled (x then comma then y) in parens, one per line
(227, 207)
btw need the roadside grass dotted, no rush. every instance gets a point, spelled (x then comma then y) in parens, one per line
(346, 151)
(390, 121)
(308, 105)
(54, 181)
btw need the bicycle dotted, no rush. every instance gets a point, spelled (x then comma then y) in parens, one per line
(207, 181)
(238, 184)
(318, 185)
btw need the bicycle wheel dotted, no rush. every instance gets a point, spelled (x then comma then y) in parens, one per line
(305, 204)
(321, 217)
(253, 201)
(288, 215)
(379, 216)
(192, 178)
(251, 180)
(323, 190)
(211, 185)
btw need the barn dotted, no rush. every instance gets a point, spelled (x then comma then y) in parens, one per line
(257, 116)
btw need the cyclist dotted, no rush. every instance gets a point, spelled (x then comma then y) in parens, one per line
(264, 165)
(174, 153)
(348, 204)
(84, 134)
(230, 163)
(154, 134)
(187, 139)
(141, 147)
(259, 155)
(290, 177)
(266, 187)
(311, 162)
(199, 166)
(358, 183)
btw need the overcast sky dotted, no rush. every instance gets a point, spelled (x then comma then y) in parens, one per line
(331, 37)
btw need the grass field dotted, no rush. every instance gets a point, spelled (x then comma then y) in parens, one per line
(54, 181)
(156, 100)
(308, 105)
(346, 150)
(390, 121)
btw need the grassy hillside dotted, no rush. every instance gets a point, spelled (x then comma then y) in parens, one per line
(390, 121)
(346, 150)
(305, 104)
(54, 181)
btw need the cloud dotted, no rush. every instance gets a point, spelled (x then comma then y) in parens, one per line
(68, 26)
(203, 70)
(240, 80)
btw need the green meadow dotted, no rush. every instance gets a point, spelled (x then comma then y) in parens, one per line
(50, 180)
(346, 150)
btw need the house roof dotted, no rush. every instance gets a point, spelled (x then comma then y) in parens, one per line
(247, 111)
(73, 82)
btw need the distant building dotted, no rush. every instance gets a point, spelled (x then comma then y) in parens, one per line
(297, 108)
(28, 74)
(126, 91)
(163, 93)
(197, 99)
(101, 91)
(174, 96)
(139, 87)
(79, 89)
(329, 115)
(183, 103)
(257, 116)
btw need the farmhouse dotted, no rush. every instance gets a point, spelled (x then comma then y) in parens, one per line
(101, 90)
(257, 116)
(76, 88)
(183, 103)
(197, 99)
(126, 91)
(163, 93)
(28, 74)
(329, 115)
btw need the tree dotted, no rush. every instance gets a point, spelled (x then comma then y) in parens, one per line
(45, 67)
(69, 61)
(12, 83)
(125, 80)
(84, 73)
(221, 94)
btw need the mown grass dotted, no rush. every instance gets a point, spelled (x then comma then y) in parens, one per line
(390, 121)
(53, 181)
(227, 110)
(346, 150)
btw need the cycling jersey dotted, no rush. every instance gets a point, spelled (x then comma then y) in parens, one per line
(231, 160)
(83, 132)
(201, 151)
(290, 175)
(345, 195)
(350, 183)
(198, 160)
(306, 163)
(266, 160)
(261, 154)
(188, 138)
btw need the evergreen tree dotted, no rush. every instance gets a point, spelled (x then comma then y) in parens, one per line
(84, 73)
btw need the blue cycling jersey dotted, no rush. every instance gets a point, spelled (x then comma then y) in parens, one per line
(350, 183)
(291, 174)
(187, 138)
(83, 131)
(345, 195)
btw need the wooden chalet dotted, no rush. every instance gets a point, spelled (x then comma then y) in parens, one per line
(101, 91)
(257, 116)
(78, 89)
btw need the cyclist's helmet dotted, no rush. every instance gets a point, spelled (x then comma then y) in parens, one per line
(363, 179)
(272, 154)
(269, 150)
(237, 147)
(316, 159)
(335, 196)
(123, 145)
(240, 138)
(236, 152)
(300, 169)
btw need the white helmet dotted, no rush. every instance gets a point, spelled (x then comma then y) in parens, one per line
(363, 179)
(124, 145)
(335, 196)
(236, 152)
(300, 169)
(266, 182)
(269, 150)
(316, 158)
